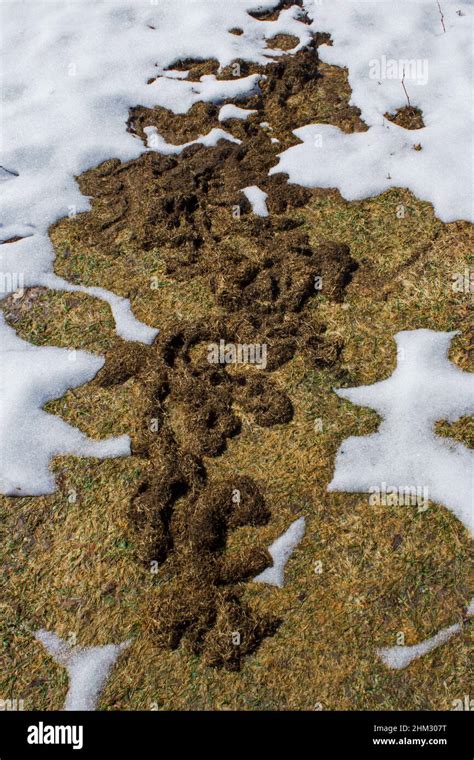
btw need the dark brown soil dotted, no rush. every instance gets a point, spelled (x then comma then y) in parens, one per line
(14, 239)
(265, 278)
(407, 117)
(201, 604)
(295, 91)
(272, 15)
(283, 41)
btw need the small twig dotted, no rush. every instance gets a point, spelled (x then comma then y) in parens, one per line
(442, 17)
(9, 171)
(405, 89)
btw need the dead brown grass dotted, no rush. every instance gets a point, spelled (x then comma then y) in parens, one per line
(361, 575)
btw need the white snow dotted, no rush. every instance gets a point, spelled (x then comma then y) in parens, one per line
(229, 111)
(156, 142)
(399, 657)
(281, 551)
(381, 42)
(179, 95)
(405, 452)
(29, 437)
(257, 199)
(88, 668)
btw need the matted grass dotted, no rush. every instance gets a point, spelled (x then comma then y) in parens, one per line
(361, 575)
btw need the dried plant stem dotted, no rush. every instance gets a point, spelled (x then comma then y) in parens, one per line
(442, 17)
(405, 89)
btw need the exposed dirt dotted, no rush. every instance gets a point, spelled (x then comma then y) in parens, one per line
(14, 239)
(201, 604)
(294, 91)
(264, 278)
(283, 41)
(272, 15)
(179, 518)
(408, 117)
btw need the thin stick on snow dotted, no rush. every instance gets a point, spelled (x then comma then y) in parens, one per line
(442, 17)
(405, 89)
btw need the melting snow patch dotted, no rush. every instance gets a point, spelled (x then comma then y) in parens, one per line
(29, 437)
(156, 142)
(399, 657)
(230, 111)
(257, 199)
(281, 551)
(88, 668)
(381, 44)
(405, 452)
(179, 95)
